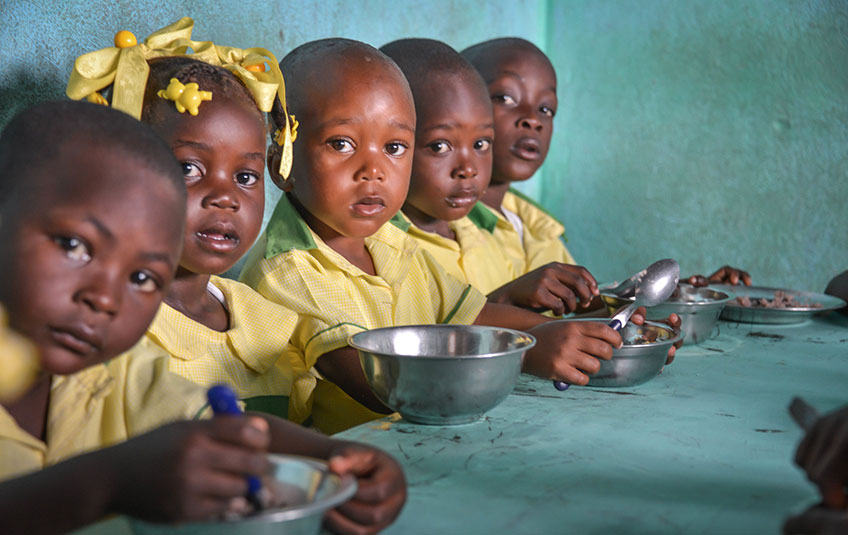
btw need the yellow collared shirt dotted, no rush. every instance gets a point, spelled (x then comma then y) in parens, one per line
(253, 356)
(541, 241)
(473, 257)
(99, 407)
(335, 299)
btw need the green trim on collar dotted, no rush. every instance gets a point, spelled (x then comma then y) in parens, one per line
(483, 216)
(400, 221)
(534, 203)
(287, 231)
(276, 405)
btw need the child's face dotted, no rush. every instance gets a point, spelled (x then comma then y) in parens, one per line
(452, 163)
(87, 256)
(353, 154)
(523, 92)
(222, 152)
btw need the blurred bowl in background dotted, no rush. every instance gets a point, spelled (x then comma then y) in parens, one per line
(441, 374)
(698, 308)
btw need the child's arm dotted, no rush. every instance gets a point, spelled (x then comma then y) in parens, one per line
(723, 275)
(180, 472)
(557, 287)
(823, 454)
(342, 368)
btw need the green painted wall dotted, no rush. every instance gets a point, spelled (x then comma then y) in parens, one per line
(708, 130)
(712, 131)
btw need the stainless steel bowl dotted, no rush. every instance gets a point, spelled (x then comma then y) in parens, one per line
(698, 308)
(441, 374)
(306, 486)
(634, 363)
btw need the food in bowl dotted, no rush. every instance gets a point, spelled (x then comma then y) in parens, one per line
(781, 300)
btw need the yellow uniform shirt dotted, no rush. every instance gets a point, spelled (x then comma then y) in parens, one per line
(335, 299)
(18, 362)
(473, 257)
(541, 241)
(252, 356)
(99, 407)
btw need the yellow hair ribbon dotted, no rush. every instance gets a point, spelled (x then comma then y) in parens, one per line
(126, 69)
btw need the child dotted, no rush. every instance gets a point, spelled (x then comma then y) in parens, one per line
(92, 205)
(451, 167)
(330, 253)
(522, 85)
(216, 329)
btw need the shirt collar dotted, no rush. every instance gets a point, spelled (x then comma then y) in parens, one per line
(484, 217)
(286, 230)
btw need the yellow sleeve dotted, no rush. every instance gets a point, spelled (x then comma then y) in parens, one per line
(454, 301)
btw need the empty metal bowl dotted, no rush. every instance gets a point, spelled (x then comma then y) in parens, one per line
(698, 308)
(305, 489)
(635, 362)
(441, 374)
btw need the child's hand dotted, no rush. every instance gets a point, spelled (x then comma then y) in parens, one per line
(817, 520)
(823, 454)
(379, 497)
(555, 286)
(569, 350)
(724, 275)
(190, 471)
(673, 321)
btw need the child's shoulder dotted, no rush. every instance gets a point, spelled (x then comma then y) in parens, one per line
(535, 218)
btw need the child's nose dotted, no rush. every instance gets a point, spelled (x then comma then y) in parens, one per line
(222, 200)
(528, 119)
(102, 293)
(370, 169)
(465, 169)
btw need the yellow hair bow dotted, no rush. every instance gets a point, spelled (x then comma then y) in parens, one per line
(124, 66)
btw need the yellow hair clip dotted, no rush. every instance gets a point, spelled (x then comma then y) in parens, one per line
(279, 134)
(125, 68)
(185, 97)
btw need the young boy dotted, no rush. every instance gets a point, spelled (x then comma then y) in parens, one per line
(451, 168)
(92, 208)
(522, 84)
(330, 253)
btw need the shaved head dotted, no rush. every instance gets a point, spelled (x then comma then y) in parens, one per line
(488, 55)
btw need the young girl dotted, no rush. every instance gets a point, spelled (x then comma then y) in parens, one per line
(218, 330)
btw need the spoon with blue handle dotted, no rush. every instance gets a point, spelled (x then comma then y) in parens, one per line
(653, 285)
(223, 401)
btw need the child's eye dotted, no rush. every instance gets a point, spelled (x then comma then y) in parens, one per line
(144, 282)
(503, 99)
(246, 179)
(395, 149)
(341, 145)
(439, 147)
(74, 248)
(482, 145)
(547, 111)
(191, 170)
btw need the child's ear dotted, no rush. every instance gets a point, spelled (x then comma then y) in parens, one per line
(275, 154)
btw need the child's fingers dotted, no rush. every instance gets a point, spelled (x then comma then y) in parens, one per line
(338, 523)
(250, 432)
(746, 278)
(576, 278)
(600, 332)
(375, 516)
(558, 298)
(571, 375)
(224, 485)
(356, 461)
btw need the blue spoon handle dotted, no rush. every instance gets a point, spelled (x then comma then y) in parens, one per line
(223, 401)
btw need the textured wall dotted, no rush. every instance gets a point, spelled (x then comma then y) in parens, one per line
(708, 130)
(711, 131)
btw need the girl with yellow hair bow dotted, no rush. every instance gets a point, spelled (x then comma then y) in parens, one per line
(208, 106)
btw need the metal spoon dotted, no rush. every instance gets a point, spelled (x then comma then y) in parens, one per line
(653, 285)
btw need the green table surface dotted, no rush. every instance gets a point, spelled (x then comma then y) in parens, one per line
(706, 447)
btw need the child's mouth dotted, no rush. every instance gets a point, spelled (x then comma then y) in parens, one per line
(218, 240)
(80, 340)
(368, 206)
(527, 148)
(462, 198)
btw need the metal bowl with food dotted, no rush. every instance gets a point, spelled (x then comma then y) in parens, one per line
(296, 495)
(640, 359)
(698, 308)
(441, 374)
(760, 304)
